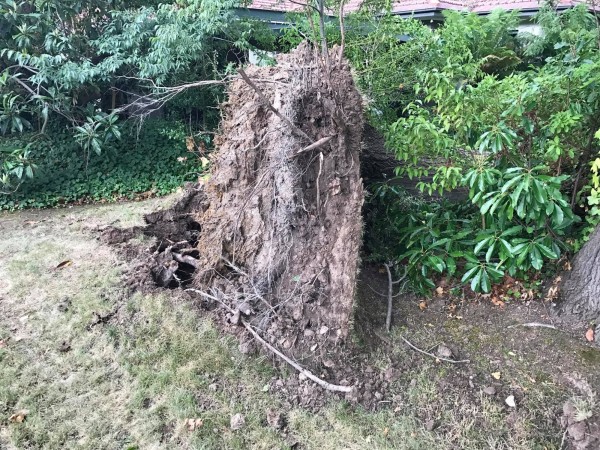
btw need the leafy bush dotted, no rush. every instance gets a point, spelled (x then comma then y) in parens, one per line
(153, 160)
(518, 137)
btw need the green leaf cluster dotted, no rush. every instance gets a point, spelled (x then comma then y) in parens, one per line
(150, 161)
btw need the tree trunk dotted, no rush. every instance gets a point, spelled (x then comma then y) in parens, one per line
(580, 290)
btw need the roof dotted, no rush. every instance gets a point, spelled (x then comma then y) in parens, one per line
(412, 6)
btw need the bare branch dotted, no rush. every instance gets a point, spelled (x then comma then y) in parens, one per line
(407, 342)
(324, 384)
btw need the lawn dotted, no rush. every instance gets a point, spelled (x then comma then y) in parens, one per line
(86, 363)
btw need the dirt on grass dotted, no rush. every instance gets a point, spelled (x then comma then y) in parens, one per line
(87, 361)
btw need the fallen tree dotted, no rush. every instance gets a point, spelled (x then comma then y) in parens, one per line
(274, 234)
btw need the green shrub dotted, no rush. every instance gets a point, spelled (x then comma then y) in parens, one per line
(153, 159)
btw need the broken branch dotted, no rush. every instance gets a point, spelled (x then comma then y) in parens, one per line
(324, 384)
(534, 325)
(414, 347)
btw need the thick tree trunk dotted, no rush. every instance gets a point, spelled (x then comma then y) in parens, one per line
(580, 290)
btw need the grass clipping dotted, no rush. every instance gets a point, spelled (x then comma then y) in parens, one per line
(277, 227)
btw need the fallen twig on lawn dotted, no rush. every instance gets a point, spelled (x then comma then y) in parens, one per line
(534, 325)
(414, 347)
(324, 384)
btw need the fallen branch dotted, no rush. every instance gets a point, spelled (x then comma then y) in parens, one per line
(414, 347)
(534, 325)
(388, 319)
(268, 104)
(324, 384)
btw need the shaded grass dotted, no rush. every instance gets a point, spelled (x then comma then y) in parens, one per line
(133, 383)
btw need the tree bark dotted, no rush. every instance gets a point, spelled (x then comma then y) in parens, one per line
(580, 290)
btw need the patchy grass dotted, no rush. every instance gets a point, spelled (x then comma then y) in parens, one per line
(133, 382)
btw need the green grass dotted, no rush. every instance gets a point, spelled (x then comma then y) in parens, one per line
(133, 383)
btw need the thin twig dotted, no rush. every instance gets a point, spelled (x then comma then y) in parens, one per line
(388, 319)
(324, 384)
(342, 31)
(268, 104)
(302, 370)
(534, 325)
(407, 342)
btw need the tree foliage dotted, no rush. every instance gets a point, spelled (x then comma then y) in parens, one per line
(75, 63)
(509, 117)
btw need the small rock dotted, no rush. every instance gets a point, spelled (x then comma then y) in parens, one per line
(19, 416)
(490, 390)
(213, 387)
(444, 352)
(378, 395)
(329, 363)
(510, 401)
(430, 425)
(324, 329)
(308, 333)
(577, 431)
(237, 422)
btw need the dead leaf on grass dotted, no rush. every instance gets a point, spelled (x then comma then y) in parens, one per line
(193, 424)
(590, 335)
(439, 291)
(64, 264)
(496, 375)
(19, 416)
(423, 305)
